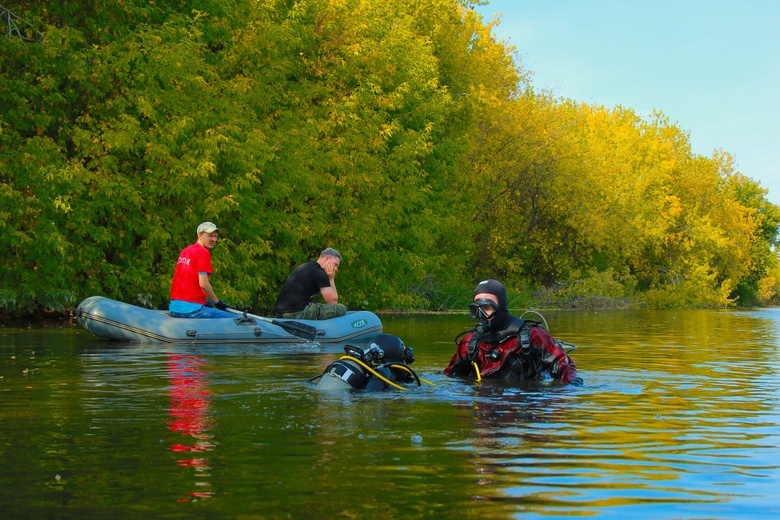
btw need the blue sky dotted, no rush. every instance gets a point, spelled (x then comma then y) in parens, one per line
(712, 67)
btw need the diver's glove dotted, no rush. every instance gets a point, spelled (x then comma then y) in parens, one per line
(221, 305)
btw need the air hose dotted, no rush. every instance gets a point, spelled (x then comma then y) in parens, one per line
(405, 368)
(374, 372)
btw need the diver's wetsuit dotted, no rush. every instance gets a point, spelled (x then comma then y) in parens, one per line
(499, 353)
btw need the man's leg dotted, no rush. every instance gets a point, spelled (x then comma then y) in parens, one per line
(318, 311)
(331, 310)
(204, 312)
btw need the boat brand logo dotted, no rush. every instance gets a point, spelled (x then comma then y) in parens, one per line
(358, 323)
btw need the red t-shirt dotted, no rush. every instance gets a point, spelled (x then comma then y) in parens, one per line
(185, 286)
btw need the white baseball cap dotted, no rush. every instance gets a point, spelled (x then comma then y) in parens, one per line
(208, 227)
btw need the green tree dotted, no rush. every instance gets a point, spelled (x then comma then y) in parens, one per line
(401, 133)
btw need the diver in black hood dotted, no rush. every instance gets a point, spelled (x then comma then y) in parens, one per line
(507, 347)
(491, 308)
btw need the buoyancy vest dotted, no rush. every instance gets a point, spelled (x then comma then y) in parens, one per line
(521, 350)
(496, 339)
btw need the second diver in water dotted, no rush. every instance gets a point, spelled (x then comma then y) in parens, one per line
(384, 364)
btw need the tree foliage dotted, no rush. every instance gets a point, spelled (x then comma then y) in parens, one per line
(402, 133)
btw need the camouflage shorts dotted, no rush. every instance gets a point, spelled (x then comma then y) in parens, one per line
(318, 311)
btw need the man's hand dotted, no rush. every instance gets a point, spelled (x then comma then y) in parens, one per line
(221, 305)
(330, 270)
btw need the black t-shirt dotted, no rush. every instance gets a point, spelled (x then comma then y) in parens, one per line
(301, 286)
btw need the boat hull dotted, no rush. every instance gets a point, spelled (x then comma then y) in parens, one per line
(111, 319)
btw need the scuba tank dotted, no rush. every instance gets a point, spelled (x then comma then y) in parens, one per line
(384, 363)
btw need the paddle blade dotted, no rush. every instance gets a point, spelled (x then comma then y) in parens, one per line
(298, 329)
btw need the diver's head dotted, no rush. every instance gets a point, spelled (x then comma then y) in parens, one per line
(489, 297)
(495, 289)
(490, 306)
(389, 348)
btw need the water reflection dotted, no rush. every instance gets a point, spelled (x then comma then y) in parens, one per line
(653, 436)
(508, 421)
(678, 418)
(190, 416)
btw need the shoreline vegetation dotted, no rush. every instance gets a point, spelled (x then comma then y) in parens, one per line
(592, 304)
(401, 133)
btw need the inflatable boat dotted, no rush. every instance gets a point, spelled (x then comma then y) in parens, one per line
(112, 319)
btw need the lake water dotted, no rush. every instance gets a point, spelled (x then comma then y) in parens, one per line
(679, 417)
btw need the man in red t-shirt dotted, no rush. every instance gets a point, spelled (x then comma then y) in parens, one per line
(191, 284)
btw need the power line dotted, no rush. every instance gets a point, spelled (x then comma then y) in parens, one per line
(757, 145)
(734, 116)
(761, 153)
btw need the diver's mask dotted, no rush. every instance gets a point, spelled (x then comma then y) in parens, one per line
(482, 309)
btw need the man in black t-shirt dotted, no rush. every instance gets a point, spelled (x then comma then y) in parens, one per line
(306, 281)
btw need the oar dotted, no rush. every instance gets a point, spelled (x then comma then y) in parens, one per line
(293, 327)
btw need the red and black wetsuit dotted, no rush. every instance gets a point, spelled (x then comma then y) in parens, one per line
(500, 354)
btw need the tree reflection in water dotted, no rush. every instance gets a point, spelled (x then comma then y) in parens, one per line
(189, 415)
(511, 422)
